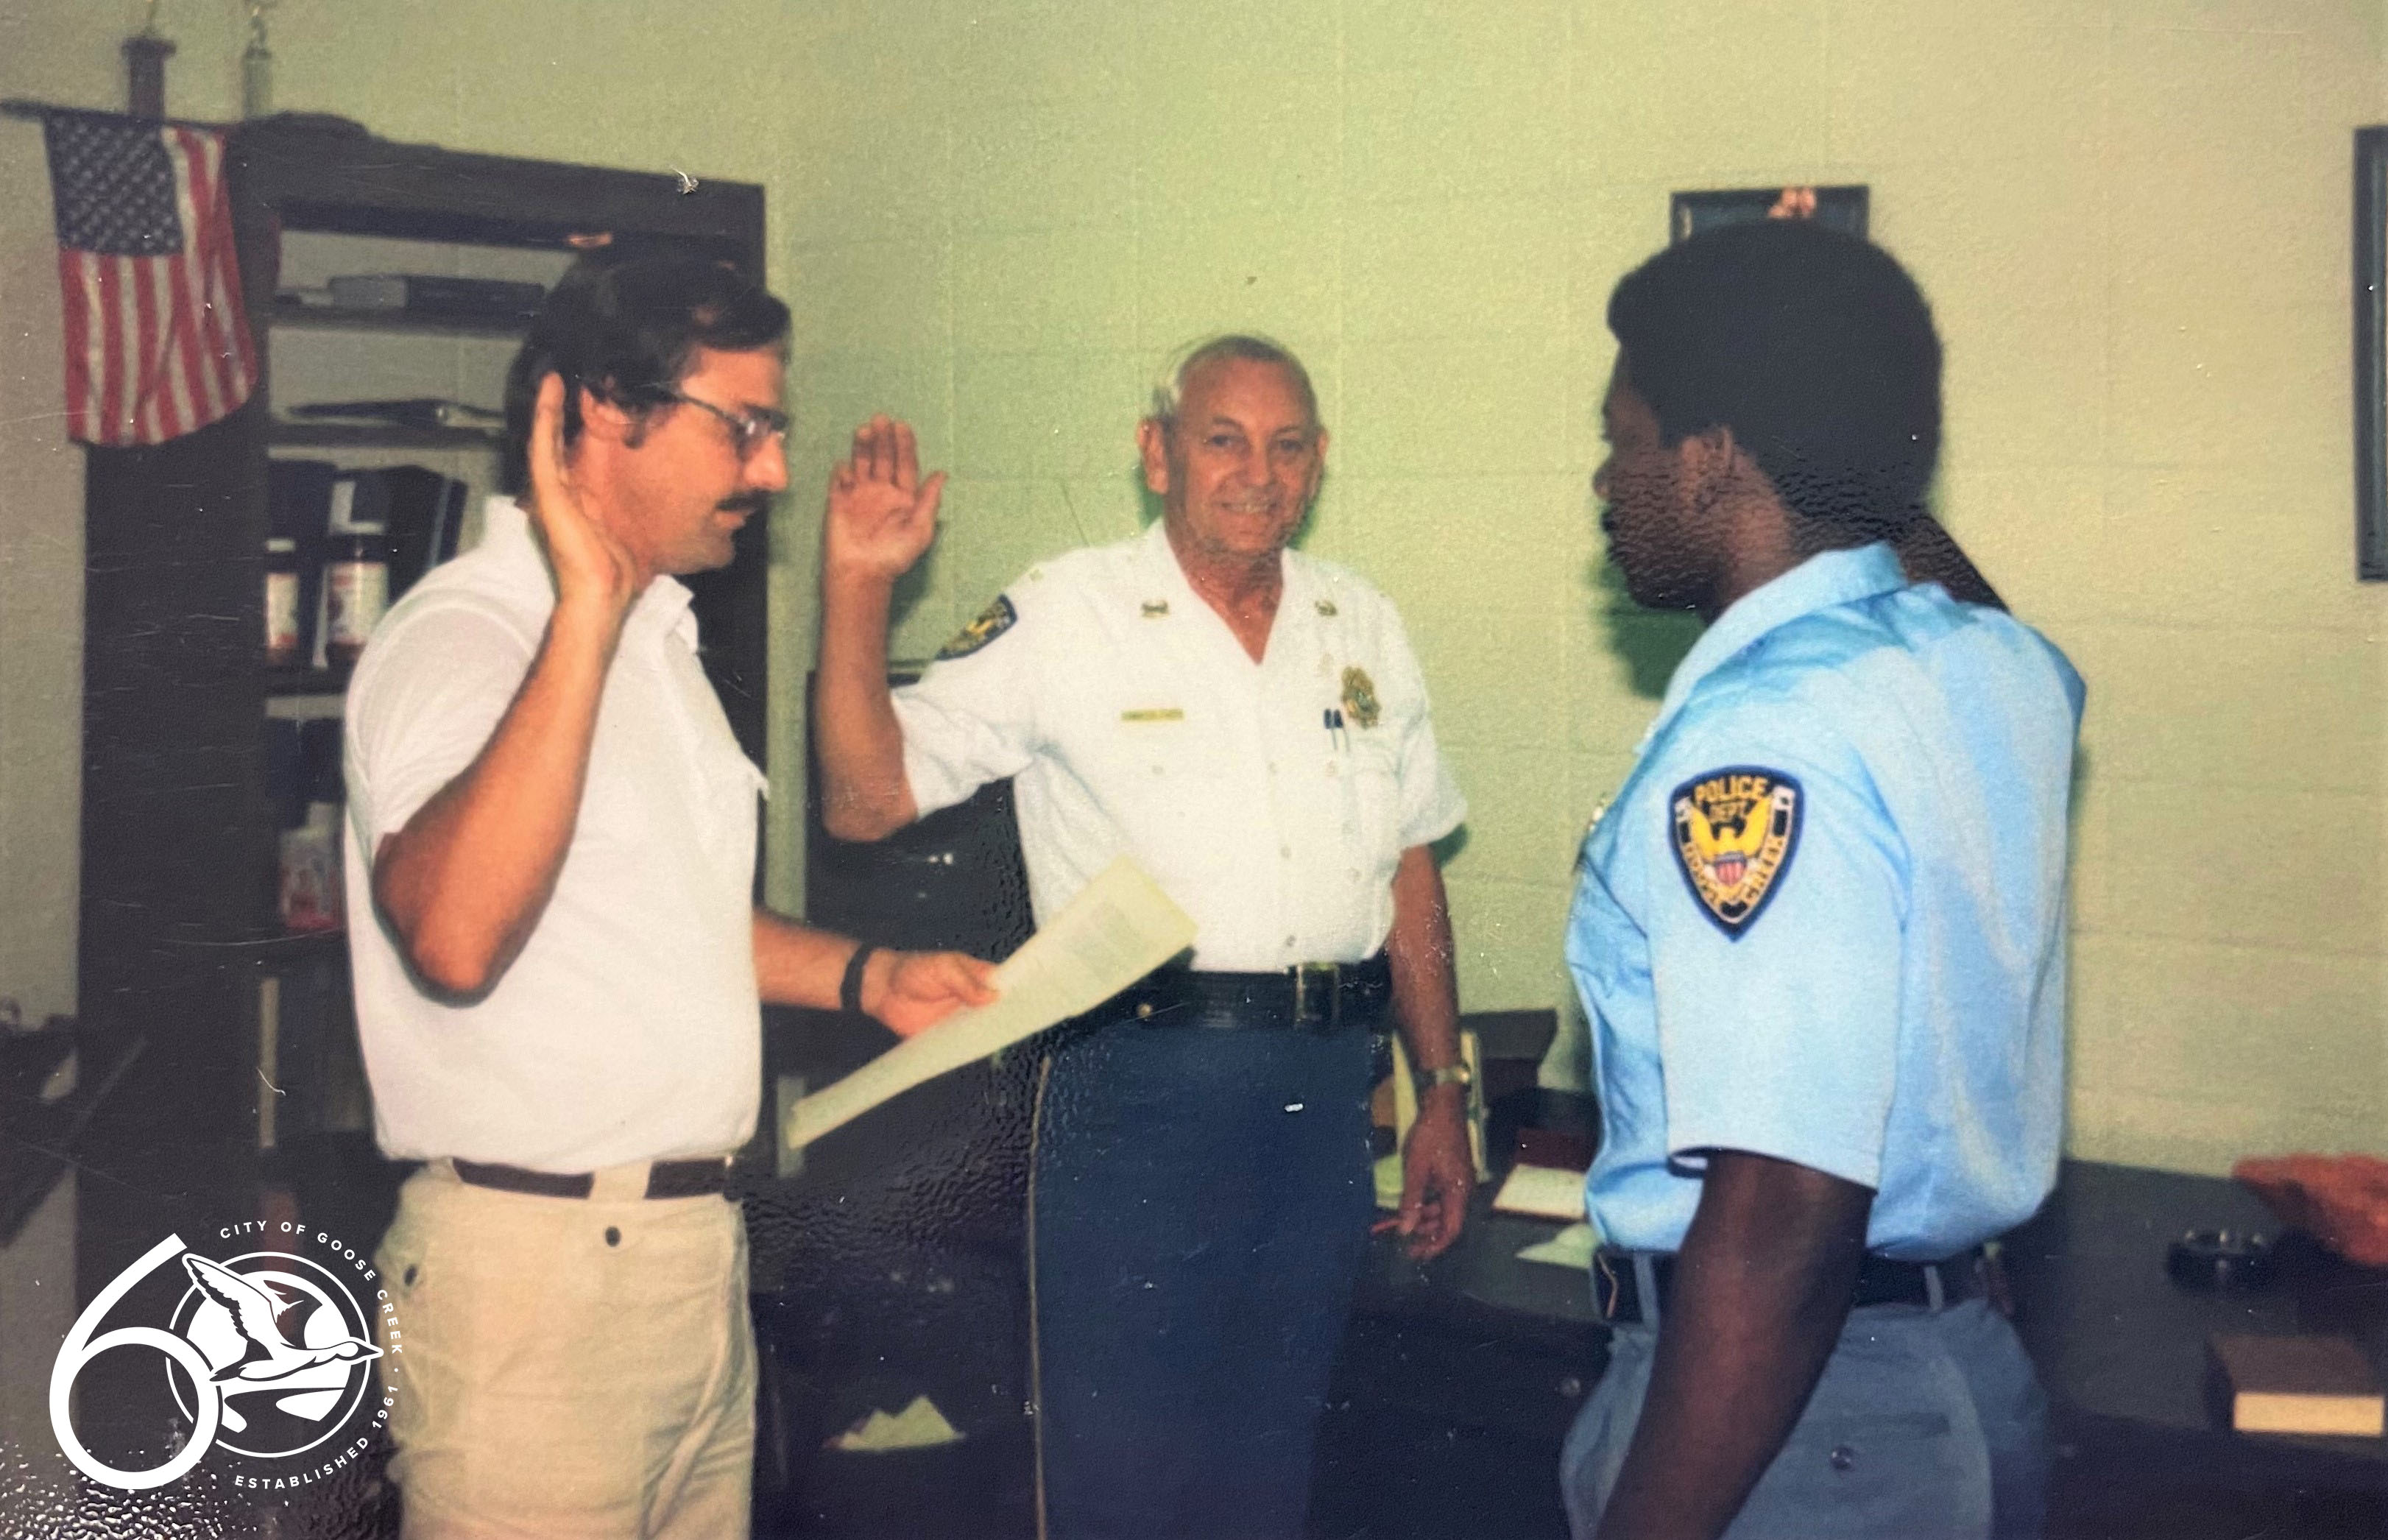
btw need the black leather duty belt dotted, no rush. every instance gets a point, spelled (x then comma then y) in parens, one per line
(1310, 997)
(1881, 1280)
(665, 1178)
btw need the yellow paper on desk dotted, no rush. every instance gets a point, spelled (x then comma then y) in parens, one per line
(1120, 927)
(1570, 1248)
(918, 1426)
(1543, 1191)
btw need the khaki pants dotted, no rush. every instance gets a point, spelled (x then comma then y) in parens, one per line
(567, 1367)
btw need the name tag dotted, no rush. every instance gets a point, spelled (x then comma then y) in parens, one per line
(1154, 713)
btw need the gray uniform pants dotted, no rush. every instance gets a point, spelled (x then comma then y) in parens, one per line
(1927, 1425)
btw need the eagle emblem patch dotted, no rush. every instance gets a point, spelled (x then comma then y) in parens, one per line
(992, 622)
(1734, 832)
(1359, 697)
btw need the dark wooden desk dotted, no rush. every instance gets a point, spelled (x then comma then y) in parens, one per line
(1459, 1378)
(2121, 1349)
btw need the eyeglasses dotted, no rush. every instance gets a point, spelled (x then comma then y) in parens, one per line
(747, 428)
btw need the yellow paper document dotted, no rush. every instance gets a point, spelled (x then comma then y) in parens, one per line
(1544, 1192)
(1119, 928)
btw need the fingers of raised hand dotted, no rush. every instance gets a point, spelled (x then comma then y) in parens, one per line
(873, 451)
(931, 491)
(546, 444)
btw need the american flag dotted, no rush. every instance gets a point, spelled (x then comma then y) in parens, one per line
(156, 342)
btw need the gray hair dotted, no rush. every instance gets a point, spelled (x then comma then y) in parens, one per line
(1169, 389)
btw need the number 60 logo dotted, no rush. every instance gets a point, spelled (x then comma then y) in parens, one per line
(81, 1347)
(279, 1332)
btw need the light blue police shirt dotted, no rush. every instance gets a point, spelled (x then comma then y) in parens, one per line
(1825, 918)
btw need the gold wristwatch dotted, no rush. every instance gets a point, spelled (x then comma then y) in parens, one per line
(1449, 1075)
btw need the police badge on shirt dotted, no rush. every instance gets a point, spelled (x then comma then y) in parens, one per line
(1734, 832)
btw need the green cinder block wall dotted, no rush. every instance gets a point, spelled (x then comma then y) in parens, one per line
(993, 216)
(2132, 217)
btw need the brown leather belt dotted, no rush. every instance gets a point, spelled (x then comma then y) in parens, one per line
(665, 1178)
(1881, 1280)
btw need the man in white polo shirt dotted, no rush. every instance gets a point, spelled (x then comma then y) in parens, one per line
(554, 832)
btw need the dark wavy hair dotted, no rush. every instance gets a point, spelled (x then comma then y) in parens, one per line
(626, 328)
(1815, 347)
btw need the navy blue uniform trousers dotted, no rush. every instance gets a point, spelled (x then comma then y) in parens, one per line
(1201, 1203)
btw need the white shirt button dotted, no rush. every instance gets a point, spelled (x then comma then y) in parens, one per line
(1286, 851)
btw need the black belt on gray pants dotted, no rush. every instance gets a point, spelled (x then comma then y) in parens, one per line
(1309, 996)
(1617, 1286)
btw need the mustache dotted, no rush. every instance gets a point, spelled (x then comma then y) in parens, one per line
(752, 505)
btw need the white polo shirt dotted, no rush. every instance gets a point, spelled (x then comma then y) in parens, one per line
(629, 1028)
(1271, 800)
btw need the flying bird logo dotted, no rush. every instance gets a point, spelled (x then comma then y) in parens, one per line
(1735, 832)
(258, 1352)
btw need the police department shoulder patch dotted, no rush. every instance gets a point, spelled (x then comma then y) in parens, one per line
(1734, 830)
(992, 622)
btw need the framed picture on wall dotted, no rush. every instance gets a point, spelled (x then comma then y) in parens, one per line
(1843, 208)
(2370, 354)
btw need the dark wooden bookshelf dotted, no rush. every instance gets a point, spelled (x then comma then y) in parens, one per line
(364, 435)
(301, 679)
(290, 313)
(288, 949)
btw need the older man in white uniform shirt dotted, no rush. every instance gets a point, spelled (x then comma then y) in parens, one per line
(558, 962)
(1250, 725)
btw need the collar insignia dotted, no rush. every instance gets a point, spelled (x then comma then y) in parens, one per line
(1155, 608)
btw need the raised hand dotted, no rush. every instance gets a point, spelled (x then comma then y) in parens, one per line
(595, 573)
(880, 516)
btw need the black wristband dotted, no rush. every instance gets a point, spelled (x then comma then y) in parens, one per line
(849, 988)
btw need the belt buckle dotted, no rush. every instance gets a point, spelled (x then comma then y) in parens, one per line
(1309, 980)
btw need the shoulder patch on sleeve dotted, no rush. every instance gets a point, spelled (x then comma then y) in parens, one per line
(1734, 830)
(992, 622)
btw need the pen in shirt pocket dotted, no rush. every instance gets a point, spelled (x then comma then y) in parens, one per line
(1335, 733)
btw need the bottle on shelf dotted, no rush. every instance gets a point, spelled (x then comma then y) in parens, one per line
(281, 635)
(356, 591)
(307, 807)
(312, 898)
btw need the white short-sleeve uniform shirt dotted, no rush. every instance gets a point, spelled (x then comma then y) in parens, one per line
(1271, 800)
(630, 1027)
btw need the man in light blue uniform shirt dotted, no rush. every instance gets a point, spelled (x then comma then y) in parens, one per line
(1819, 935)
